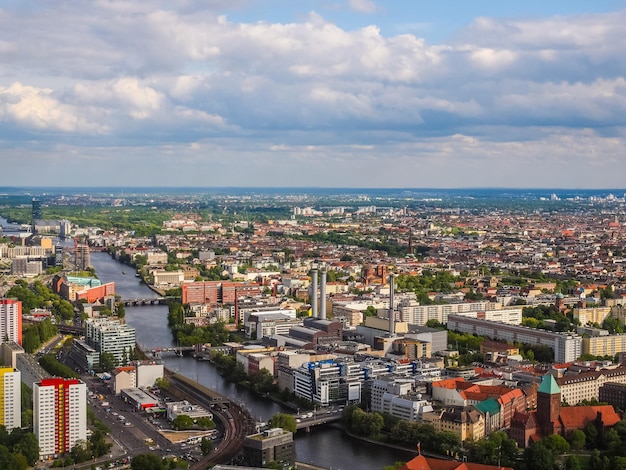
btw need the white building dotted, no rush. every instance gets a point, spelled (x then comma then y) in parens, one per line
(59, 415)
(567, 347)
(11, 320)
(10, 398)
(110, 336)
(415, 314)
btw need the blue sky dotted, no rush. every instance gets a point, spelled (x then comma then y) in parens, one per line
(335, 93)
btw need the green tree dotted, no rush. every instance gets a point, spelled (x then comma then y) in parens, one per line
(206, 446)
(572, 462)
(537, 455)
(147, 462)
(577, 440)
(182, 422)
(108, 362)
(556, 444)
(283, 420)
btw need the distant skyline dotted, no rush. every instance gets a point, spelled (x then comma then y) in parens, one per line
(326, 93)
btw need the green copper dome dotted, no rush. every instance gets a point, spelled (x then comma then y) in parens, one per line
(548, 385)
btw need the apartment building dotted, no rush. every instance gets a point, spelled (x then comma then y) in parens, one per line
(10, 398)
(11, 320)
(567, 347)
(586, 385)
(59, 415)
(415, 314)
(607, 345)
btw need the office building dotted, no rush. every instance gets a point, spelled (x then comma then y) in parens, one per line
(82, 256)
(36, 213)
(110, 336)
(11, 320)
(10, 398)
(59, 415)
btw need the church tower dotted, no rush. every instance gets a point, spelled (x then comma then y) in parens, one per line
(548, 405)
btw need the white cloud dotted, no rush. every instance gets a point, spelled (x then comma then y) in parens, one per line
(184, 77)
(37, 108)
(362, 6)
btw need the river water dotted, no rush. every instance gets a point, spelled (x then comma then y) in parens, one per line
(326, 447)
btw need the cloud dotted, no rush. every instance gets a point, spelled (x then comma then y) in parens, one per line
(38, 109)
(169, 81)
(362, 6)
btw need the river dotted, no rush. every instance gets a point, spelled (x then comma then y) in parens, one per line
(325, 447)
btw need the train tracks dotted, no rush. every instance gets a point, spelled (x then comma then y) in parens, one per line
(235, 421)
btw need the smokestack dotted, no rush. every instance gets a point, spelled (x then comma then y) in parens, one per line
(322, 314)
(392, 318)
(314, 311)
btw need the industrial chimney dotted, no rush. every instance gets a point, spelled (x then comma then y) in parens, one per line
(322, 315)
(314, 311)
(392, 316)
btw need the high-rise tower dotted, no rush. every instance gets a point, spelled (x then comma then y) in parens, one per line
(11, 320)
(59, 415)
(10, 398)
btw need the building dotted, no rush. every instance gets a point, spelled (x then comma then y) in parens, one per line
(567, 347)
(168, 278)
(551, 418)
(575, 388)
(605, 345)
(11, 320)
(272, 445)
(10, 398)
(415, 314)
(59, 415)
(82, 256)
(110, 336)
(35, 211)
(429, 463)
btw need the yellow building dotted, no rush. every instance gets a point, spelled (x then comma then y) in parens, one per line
(608, 345)
(465, 422)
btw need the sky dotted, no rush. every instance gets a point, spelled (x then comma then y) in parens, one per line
(325, 93)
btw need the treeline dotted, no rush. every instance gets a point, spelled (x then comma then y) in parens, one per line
(402, 432)
(187, 334)
(261, 382)
(19, 449)
(36, 334)
(38, 295)
(57, 369)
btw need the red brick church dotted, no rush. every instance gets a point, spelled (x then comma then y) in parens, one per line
(551, 418)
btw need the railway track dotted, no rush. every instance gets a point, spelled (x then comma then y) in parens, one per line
(235, 421)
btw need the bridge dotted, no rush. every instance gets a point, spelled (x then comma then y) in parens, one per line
(71, 330)
(140, 302)
(179, 350)
(318, 418)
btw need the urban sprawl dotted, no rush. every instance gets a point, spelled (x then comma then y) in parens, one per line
(473, 316)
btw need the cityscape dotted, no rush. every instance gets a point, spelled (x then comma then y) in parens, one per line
(312, 235)
(432, 324)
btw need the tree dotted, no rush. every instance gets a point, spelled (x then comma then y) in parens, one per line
(182, 422)
(108, 361)
(572, 463)
(576, 439)
(147, 462)
(283, 420)
(556, 444)
(538, 456)
(206, 446)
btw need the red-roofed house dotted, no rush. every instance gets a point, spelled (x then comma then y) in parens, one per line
(428, 463)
